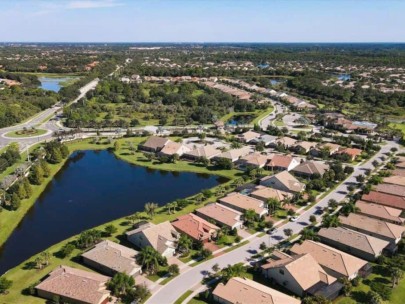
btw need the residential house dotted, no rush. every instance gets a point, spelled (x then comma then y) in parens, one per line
(222, 215)
(282, 162)
(300, 274)
(331, 147)
(380, 212)
(109, 258)
(162, 237)
(172, 148)
(358, 244)
(207, 152)
(385, 199)
(253, 160)
(234, 154)
(395, 180)
(391, 189)
(283, 181)
(353, 153)
(244, 291)
(265, 139)
(248, 136)
(335, 262)
(154, 144)
(287, 142)
(304, 146)
(243, 203)
(265, 193)
(311, 168)
(370, 226)
(195, 227)
(74, 286)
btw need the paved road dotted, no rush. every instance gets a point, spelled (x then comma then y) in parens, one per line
(278, 108)
(170, 292)
(39, 121)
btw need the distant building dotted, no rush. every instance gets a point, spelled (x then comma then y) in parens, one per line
(154, 144)
(243, 203)
(310, 168)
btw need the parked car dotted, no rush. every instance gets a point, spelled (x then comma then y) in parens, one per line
(294, 218)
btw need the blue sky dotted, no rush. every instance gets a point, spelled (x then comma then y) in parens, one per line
(202, 20)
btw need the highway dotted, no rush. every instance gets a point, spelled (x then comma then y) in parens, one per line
(170, 292)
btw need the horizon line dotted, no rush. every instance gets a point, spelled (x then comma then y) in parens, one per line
(210, 42)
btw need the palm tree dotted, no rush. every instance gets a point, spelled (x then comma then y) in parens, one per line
(148, 257)
(184, 244)
(273, 204)
(169, 207)
(288, 232)
(309, 234)
(249, 216)
(237, 270)
(396, 275)
(150, 208)
(330, 221)
(46, 256)
(134, 217)
(174, 206)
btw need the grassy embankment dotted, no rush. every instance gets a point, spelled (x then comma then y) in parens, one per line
(25, 275)
(258, 115)
(27, 133)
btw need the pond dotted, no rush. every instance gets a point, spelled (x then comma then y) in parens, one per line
(344, 77)
(92, 188)
(53, 83)
(242, 119)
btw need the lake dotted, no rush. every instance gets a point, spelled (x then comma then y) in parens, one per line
(52, 83)
(92, 188)
(242, 119)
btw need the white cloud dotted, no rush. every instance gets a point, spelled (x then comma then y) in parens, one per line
(88, 4)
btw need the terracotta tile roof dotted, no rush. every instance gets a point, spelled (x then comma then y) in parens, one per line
(221, 214)
(354, 239)
(400, 164)
(380, 211)
(304, 269)
(391, 189)
(396, 180)
(204, 151)
(76, 284)
(195, 226)
(245, 291)
(399, 172)
(336, 260)
(282, 161)
(374, 226)
(353, 152)
(311, 167)
(114, 256)
(264, 193)
(156, 142)
(385, 199)
(255, 159)
(243, 202)
(332, 147)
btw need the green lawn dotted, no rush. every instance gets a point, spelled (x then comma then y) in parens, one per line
(24, 275)
(28, 133)
(263, 115)
(183, 297)
(279, 123)
(398, 126)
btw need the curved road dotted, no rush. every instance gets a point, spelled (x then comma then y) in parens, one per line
(41, 121)
(170, 292)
